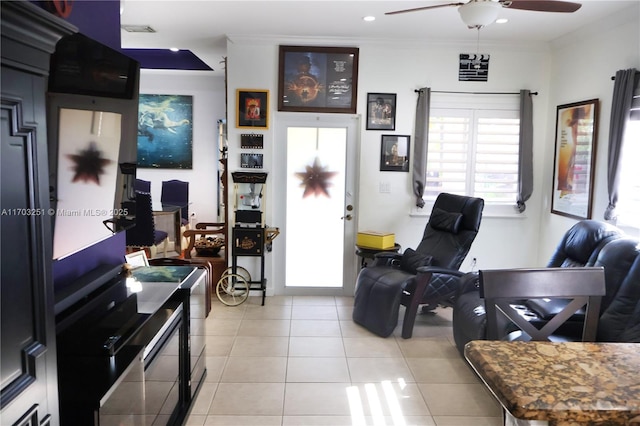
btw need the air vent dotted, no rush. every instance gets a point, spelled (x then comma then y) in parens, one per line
(138, 29)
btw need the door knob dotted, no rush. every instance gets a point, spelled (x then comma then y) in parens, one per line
(347, 217)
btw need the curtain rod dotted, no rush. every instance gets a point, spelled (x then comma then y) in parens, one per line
(477, 93)
(613, 77)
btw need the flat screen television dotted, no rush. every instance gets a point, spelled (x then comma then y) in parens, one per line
(83, 66)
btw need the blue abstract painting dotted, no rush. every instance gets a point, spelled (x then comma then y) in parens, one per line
(165, 132)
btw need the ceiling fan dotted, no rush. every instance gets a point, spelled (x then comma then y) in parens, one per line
(480, 13)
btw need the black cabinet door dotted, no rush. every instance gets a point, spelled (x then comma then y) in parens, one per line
(28, 365)
(28, 377)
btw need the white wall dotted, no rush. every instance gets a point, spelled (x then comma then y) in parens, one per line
(576, 67)
(582, 66)
(400, 69)
(208, 108)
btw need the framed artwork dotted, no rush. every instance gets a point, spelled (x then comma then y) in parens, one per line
(394, 153)
(137, 258)
(318, 79)
(165, 132)
(574, 160)
(381, 111)
(252, 109)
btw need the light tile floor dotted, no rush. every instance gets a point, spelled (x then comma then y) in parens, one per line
(302, 361)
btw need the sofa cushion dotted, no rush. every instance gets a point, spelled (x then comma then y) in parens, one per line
(412, 260)
(445, 221)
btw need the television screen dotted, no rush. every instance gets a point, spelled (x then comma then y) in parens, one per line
(84, 66)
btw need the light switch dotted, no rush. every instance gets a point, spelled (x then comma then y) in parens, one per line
(385, 187)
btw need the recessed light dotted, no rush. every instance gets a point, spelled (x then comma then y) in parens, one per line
(174, 49)
(369, 18)
(502, 21)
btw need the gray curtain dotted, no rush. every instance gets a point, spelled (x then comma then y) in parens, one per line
(620, 110)
(525, 160)
(421, 144)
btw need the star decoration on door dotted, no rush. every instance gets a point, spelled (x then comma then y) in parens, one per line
(88, 164)
(316, 180)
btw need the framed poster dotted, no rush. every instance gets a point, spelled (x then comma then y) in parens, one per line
(252, 109)
(394, 153)
(165, 131)
(381, 111)
(318, 79)
(574, 160)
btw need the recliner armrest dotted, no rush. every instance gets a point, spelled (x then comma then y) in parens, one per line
(386, 258)
(469, 282)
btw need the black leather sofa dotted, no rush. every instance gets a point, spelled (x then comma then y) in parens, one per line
(587, 243)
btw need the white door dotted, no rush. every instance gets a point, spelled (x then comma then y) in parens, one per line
(316, 180)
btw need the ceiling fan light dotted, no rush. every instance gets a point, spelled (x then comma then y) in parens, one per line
(478, 14)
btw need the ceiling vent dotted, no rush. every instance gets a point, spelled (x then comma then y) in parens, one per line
(138, 29)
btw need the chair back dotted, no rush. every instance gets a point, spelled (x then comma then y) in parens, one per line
(143, 233)
(142, 185)
(452, 227)
(581, 244)
(176, 192)
(503, 288)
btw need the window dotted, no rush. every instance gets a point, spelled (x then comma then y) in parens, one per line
(474, 151)
(628, 207)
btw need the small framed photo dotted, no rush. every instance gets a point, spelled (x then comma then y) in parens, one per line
(381, 111)
(394, 153)
(137, 259)
(575, 159)
(251, 141)
(252, 109)
(251, 161)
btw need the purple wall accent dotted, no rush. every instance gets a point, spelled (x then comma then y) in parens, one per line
(100, 20)
(107, 252)
(167, 60)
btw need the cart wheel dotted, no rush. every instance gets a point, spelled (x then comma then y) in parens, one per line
(232, 289)
(240, 271)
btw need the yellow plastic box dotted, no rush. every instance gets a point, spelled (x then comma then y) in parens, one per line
(376, 240)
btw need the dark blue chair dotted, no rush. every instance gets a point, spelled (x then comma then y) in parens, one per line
(142, 185)
(144, 234)
(176, 193)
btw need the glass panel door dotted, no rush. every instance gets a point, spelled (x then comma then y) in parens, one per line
(318, 208)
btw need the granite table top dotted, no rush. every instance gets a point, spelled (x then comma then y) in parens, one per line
(562, 383)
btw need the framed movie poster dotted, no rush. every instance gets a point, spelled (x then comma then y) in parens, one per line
(381, 111)
(574, 161)
(252, 109)
(318, 79)
(394, 153)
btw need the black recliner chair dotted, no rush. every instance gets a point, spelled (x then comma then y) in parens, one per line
(428, 275)
(580, 246)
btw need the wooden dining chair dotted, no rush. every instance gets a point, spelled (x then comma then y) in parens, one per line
(506, 292)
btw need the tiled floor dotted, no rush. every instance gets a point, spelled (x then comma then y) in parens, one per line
(301, 361)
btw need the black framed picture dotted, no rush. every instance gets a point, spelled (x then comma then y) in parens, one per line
(252, 108)
(394, 153)
(318, 79)
(251, 161)
(381, 111)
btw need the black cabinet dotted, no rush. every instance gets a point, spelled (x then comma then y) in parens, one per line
(29, 394)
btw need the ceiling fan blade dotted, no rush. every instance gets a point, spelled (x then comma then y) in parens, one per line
(423, 8)
(543, 5)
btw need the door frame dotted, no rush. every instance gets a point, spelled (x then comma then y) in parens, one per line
(350, 271)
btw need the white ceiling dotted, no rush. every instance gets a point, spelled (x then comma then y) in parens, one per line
(202, 26)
